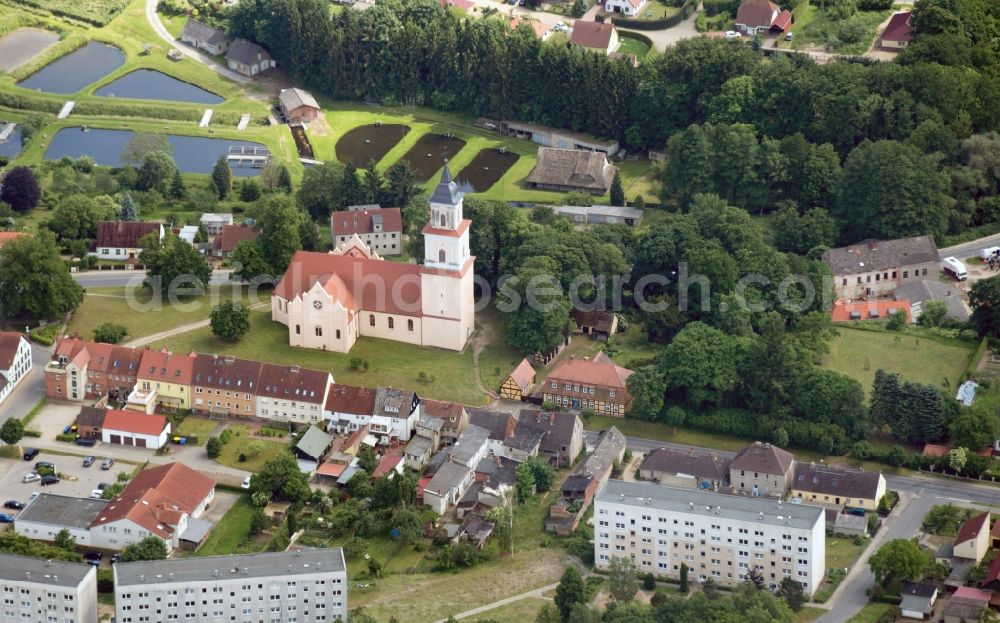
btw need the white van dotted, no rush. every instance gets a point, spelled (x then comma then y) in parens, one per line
(954, 267)
(988, 252)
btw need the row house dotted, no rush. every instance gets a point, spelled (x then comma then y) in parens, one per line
(292, 394)
(390, 414)
(164, 379)
(226, 385)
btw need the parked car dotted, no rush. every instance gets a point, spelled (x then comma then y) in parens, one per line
(49, 480)
(35, 494)
(30, 453)
(88, 460)
(5, 518)
(107, 463)
(93, 558)
(246, 483)
(69, 429)
(31, 477)
(732, 34)
(103, 486)
(116, 558)
(87, 442)
(44, 465)
(13, 504)
(789, 36)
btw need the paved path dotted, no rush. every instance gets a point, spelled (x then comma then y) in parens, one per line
(31, 388)
(154, 21)
(132, 278)
(538, 592)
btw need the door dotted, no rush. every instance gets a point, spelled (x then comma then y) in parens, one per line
(128, 441)
(116, 438)
(140, 442)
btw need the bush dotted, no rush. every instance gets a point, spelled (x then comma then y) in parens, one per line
(213, 447)
(32, 433)
(110, 333)
(70, 437)
(715, 7)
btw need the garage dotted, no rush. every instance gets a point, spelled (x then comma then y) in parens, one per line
(140, 442)
(116, 438)
(135, 429)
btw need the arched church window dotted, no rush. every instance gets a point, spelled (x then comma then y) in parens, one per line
(441, 256)
(338, 334)
(409, 325)
(371, 320)
(442, 220)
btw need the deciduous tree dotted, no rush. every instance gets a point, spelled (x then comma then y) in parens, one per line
(20, 189)
(34, 280)
(230, 321)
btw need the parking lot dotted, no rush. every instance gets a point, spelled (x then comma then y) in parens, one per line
(79, 480)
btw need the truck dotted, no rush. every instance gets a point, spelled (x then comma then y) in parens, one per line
(988, 252)
(954, 267)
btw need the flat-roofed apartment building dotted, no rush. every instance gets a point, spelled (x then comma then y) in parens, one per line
(718, 536)
(47, 591)
(305, 586)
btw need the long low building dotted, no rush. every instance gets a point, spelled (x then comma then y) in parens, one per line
(305, 586)
(47, 591)
(717, 536)
(45, 516)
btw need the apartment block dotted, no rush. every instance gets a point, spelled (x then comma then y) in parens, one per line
(715, 535)
(305, 586)
(47, 591)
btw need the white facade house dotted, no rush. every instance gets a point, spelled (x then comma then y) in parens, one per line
(45, 516)
(47, 591)
(215, 221)
(305, 586)
(292, 394)
(119, 534)
(629, 8)
(120, 240)
(448, 486)
(15, 362)
(715, 535)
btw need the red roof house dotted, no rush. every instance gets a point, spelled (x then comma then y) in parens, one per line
(897, 33)
(225, 243)
(973, 538)
(390, 463)
(758, 17)
(844, 311)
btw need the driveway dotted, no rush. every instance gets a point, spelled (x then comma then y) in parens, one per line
(79, 480)
(163, 33)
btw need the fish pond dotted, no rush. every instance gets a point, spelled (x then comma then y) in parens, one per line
(22, 45)
(369, 143)
(430, 153)
(193, 154)
(72, 72)
(11, 145)
(486, 169)
(149, 84)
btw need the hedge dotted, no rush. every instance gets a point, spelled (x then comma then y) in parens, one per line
(715, 7)
(115, 109)
(655, 24)
(32, 433)
(70, 437)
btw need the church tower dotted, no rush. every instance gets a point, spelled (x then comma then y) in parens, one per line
(447, 295)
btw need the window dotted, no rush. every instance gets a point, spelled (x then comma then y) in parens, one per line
(338, 334)
(391, 323)
(371, 320)
(441, 256)
(443, 219)
(409, 325)
(906, 274)
(319, 331)
(298, 331)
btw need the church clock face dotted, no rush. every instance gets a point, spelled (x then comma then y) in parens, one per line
(318, 304)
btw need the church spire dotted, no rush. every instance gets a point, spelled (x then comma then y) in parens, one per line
(447, 191)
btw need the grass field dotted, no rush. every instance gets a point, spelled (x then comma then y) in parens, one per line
(389, 363)
(807, 614)
(814, 28)
(233, 530)
(237, 444)
(841, 552)
(198, 427)
(859, 353)
(521, 611)
(141, 314)
(871, 613)
(632, 45)
(657, 10)
(99, 11)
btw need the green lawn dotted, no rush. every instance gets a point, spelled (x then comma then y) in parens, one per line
(807, 614)
(390, 363)
(136, 309)
(841, 552)
(518, 612)
(657, 10)
(231, 532)
(859, 353)
(632, 45)
(237, 444)
(871, 613)
(631, 349)
(197, 426)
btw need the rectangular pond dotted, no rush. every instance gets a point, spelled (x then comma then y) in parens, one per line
(12, 146)
(369, 143)
(22, 45)
(486, 169)
(72, 72)
(193, 154)
(430, 152)
(149, 84)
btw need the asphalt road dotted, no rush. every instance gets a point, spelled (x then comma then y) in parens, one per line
(121, 278)
(970, 249)
(31, 388)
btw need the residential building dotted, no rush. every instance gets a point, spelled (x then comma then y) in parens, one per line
(48, 514)
(166, 377)
(225, 385)
(542, 30)
(313, 445)
(122, 372)
(966, 604)
(761, 469)
(587, 479)
(292, 394)
(390, 465)
(559, 138)
(601, 214)
(518, 383)
(66, 372)
(305, 586)
(215, 221)
(874, 267)
(897, 34)
(470, 448)
(568, 170)
(298, 106)
(761, 17)
(88, 370)
(918, 600)
(500, 426)
(524, 444)
(380, 229)
(685, 468)
(47, 591)
(418, 452)
(595, 383)
(429, 428)
(120, 240)
(598, 324)
(98, 376)
(447, 487)
(204, 37)
(837, 487)
(598, 36)
(328, 300)
(15, 362)
(455, 418)
(562, 434)
(248, 58)
(717, 536)
(166, 501)
(845, 310)
(226, 241)
(129, 428)
(919, 293)
(188, 233)
(992, 579)
(973, 538)
(348, 408)
(629, 8)
(395, 416)
(90, 422)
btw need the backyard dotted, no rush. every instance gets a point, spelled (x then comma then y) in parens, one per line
(231, 532)
(815, 28)
(197, 427)
(859, 353)
(631, 44)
